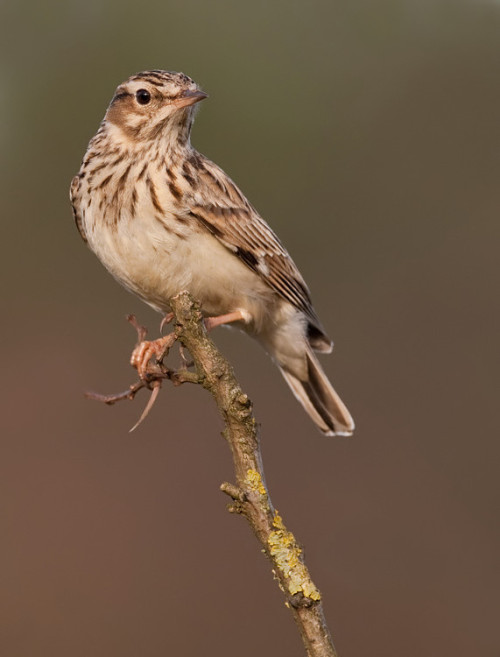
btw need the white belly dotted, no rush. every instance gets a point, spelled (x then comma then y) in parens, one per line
(157, 264)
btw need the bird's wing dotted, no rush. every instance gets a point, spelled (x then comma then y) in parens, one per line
(222, 209)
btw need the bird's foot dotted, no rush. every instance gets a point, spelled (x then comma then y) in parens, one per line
(147, 358)
(150, 374)
(146, 350)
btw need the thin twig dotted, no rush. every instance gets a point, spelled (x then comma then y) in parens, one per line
(112, 398)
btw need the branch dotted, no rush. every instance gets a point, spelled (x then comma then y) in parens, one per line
(249, 495)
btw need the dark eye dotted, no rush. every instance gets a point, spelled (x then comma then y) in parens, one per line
(143, 96)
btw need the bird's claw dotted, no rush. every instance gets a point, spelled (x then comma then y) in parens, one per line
(156, 385)
(166, 320)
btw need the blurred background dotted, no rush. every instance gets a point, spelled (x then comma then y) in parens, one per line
(368, 135)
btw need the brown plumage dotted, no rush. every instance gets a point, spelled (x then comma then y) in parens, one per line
(163, 218)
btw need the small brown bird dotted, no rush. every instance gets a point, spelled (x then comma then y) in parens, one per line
(162, 218)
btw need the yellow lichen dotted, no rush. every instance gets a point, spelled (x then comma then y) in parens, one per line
(254, 482)
(286, 553)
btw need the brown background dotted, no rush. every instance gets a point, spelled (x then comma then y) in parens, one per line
(368, 135)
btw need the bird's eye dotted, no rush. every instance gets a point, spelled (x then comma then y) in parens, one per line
(143, 96)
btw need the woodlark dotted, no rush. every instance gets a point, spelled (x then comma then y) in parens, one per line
(162, 218)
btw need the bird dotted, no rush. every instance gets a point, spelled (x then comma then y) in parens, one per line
(163, 218)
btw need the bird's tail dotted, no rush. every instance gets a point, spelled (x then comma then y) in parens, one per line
(319, 399)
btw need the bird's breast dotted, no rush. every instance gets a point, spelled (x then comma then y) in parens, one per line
(156, 251)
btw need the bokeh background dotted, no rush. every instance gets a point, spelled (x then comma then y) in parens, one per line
(367, 134)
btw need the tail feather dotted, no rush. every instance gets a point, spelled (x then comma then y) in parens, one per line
(319, 399)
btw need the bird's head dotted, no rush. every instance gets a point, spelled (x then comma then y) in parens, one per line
(153, 103)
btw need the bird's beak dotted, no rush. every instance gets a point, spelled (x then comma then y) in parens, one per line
(189, 98)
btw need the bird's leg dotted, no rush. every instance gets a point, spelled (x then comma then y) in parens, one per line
(236, 316)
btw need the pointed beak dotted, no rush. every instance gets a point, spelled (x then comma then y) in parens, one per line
(189, 98)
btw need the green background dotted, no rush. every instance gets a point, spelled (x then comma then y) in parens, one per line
(368, 136)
